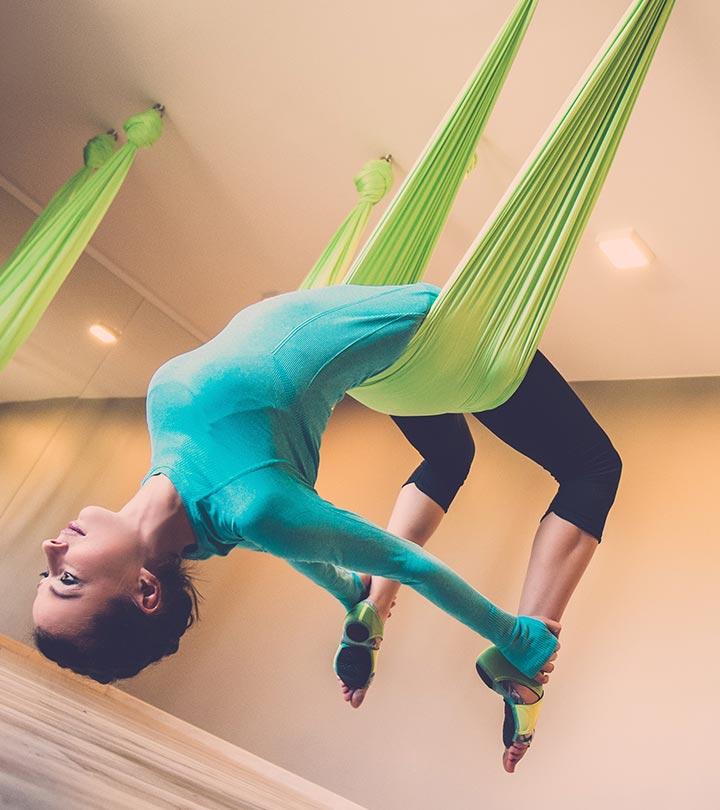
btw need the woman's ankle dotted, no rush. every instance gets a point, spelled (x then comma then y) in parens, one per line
(382, 604)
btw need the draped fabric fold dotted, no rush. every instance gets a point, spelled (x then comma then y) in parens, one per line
(372, 182)
(38, 266)
(399, 248)
(472, 350)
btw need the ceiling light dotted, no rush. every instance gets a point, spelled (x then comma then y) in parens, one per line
(103, 333)
(625, 249)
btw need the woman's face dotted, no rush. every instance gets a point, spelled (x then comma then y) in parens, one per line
(85, 569)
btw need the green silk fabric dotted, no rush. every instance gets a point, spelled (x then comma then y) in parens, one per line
(38, 266)
(472, 350)
(372, 182)
(399, 248)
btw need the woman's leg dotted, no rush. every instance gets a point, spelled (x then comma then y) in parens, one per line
(560, 554)
(546, 421)
(447, 448)
(415, 516)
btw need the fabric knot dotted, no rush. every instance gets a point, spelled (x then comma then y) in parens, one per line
(98, 149)
(144, 129)
(374, 180)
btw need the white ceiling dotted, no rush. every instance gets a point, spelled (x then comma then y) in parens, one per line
(273, 107)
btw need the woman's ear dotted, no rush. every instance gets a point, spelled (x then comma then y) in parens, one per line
(148, 595)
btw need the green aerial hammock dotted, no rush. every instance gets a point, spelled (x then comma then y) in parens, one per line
(38, 266)
(372, 182)
(400, 246)
(473, 349)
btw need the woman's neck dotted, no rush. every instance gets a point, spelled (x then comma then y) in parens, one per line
(160, 518)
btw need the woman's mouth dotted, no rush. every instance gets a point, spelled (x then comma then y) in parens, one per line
(75, 528)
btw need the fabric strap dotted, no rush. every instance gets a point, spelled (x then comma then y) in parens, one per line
(38, 266)
(474, 347)
(372, 182)
(398, 250)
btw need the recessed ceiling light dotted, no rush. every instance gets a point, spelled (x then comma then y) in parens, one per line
(103, 333)
(625, 249)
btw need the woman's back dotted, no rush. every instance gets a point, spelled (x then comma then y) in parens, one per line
(260, 393)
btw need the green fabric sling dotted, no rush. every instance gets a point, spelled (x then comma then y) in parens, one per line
(38, 266)
(411, 226)
(400, 247)
(472, 350)
(372, 182)
(96, 152)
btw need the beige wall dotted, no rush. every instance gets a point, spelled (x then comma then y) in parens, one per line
(623, 720)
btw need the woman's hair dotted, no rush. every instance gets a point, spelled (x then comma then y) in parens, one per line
(122, 640)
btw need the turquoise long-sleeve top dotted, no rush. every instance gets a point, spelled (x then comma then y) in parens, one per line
(236, 425)
(243, 415)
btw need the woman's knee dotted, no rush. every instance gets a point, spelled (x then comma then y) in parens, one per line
(456, 459)
(588, 489)
(442, 477)
(615, 468)
(605, 469)
(448, 450)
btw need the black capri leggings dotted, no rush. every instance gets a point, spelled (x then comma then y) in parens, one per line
(544, 420)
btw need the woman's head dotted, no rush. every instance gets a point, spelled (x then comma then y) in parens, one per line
(104, 610)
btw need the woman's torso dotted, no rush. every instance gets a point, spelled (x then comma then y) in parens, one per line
(258, 396)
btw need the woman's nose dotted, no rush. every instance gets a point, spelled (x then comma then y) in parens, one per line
(54, 547)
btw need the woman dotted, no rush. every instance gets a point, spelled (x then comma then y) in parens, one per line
(235, 429)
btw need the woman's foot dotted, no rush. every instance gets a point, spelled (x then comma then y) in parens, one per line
(356, 696)
(513, 755)
(515, 752)
(523, 694)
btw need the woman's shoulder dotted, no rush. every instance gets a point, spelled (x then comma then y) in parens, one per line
(251, 499)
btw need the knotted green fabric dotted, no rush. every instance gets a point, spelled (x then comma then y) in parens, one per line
(399, 248)
(38, 266)
(472, 350)
(372, 182)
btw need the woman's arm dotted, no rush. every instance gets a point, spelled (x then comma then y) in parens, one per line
(295, 523)
(342, 584)
(415, 516)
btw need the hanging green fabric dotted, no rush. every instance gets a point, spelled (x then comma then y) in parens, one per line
(399, 248)
(372, 182)
(38, 266)
(472, 350)
(96, 152)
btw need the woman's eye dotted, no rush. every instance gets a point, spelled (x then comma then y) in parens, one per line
(67, 578)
